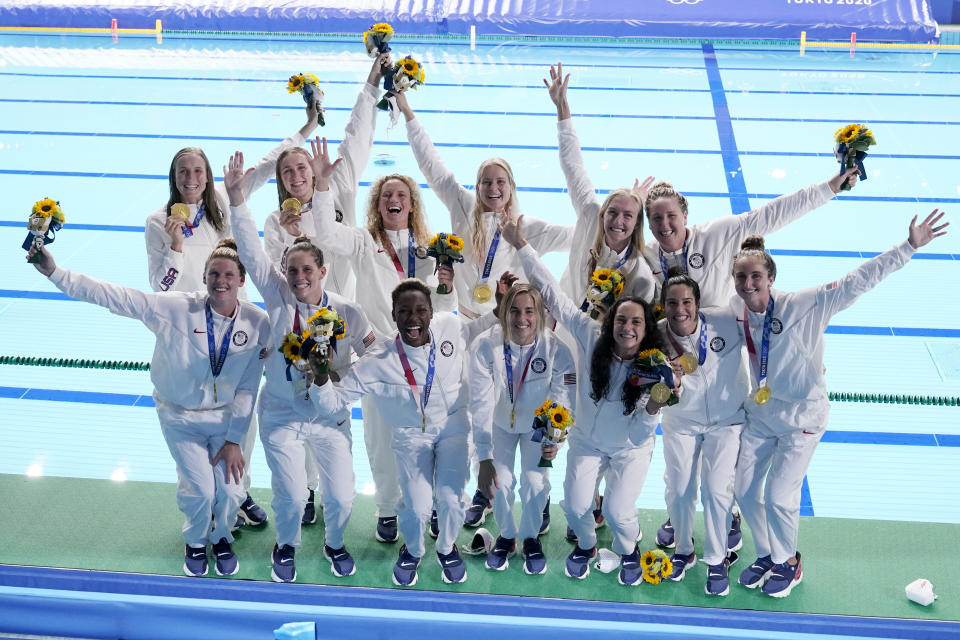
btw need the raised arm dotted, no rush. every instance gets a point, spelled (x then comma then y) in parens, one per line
(334, 237)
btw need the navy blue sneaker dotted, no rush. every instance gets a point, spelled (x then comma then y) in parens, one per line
(783, 578)
(718, 583)
(309, 510)
(503, 549)
(227, 564)
(341, 562)
(756, 574)
(387, 529)
(545, 523)
(237, 524)
(405, 570)
(571, 534)
(734, 536)
(680, 565)
(578, 562)
(284, 569)
(534, 562)
(454, 571)
(631, 573)
(251, 512)
(195, 561)
(477, 511)
(665, 535)
(434, 528)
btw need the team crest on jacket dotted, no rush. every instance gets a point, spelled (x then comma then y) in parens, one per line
(539, 365)
(446, 348)
(696, 261)
(240, 338)
(338, 215)
(776, 326)
(717, 344)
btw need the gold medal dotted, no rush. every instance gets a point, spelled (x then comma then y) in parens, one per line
(482, 293)
(761, 395)
(660, 393)
(688, 362)
(291, 203)
(180, 211)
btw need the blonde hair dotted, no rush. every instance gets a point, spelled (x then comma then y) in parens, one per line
(517, 290)
(478, 237)
(282, 193)
(416, 221)
(665, 190)
(636, 240)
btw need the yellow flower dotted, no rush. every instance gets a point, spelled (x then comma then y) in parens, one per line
(652, 578)
(294, 84)
(46, 208)
(410, 67)
(666, 568)
(617, 290)
(309, 78)
(847, 133)
(342, 333)
(423, 76)
(435, 239)
(560, 417)
(291, 346)
(646, 354)
(455, 242)
(601, 275)
(542, 409)
(647, 559)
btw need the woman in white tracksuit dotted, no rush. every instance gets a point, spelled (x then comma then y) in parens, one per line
(176, 251)
(295, 179)
(417, 379)
(701, 433)
(608, 235)
(705, 250)
(473, 216)
(514, 368)
(788, 406)
(387, 251)
(613, 428)
(288, 412)
(206, 370)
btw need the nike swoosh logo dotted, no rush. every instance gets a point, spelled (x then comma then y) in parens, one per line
(809, 433)
(223, 555)
(447, 563)
(339, 424)
(285, 561)
(575, 558)
(380, 251)
(195, 331)
(408, 565)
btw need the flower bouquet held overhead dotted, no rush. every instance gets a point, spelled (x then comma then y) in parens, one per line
(850, 148)
(46, 218)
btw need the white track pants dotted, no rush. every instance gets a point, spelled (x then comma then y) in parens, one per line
(428, 463)
(378, 438)
(626, 471)
(534, 484)
(770, 471)
(286, 440)
(194, 438)
(712, 450)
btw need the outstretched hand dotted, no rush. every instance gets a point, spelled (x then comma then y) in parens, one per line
(44, 263)
(233, 462)
(511, 228)
(320, 162)
(921, 234)
(641, 189)
(836, 182)
(234, 177)
(557, 86)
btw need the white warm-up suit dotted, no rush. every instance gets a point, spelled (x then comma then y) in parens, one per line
(543, 235)
(195, 420)
(702, 431)
(430, 456)
(541, 370)
(638, 280)
(602, 436)
(779, 437)
(711, 246)
(288, 411)
(374, 268)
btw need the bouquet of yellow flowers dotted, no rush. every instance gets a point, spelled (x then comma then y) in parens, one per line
(606, 285)
(405, 74)
(376, 38)
(656, 566)
(550, 424)
(446, 248)
(652, 373)
(46, 218)
(308, 86)
(850, 148)
(323, 330)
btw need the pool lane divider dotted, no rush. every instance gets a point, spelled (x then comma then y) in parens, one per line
(739, 202)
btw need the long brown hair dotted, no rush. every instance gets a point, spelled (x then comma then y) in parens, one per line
(478, 238)
(282, 193)
(416, 221)
(211, 210)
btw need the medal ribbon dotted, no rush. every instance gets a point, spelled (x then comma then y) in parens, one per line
(702, 346)
(428, 381)
(217, 358)
(488, 263)
(761, 366)
(663, 260)
(508, 361)
(411, 257)
(188, 227)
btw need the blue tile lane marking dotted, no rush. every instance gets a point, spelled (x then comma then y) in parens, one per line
(739, 202)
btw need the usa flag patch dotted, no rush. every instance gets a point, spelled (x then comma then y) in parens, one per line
(368, 340)
(570, 378)
(833, 285)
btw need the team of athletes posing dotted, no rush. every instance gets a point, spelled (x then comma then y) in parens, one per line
(430, 382)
